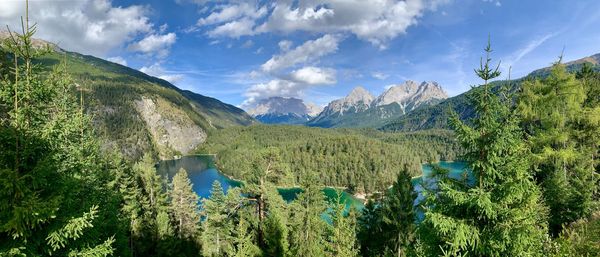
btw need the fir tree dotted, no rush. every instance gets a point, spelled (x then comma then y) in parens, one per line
(502, 214)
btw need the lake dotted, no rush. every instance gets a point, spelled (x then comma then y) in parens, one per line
(203, 173)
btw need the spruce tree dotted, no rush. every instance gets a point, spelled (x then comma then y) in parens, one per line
(502, 214)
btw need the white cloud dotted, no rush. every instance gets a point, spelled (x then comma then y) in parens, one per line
(276, 87)
(154, 44)
(234, 29)
(285, 45)
(158, 71)
(117, 59)
(379, 75)
(231, 12)
(87, 26)
(377, 22)
(248, 44)
(309, 51)
(314, 76)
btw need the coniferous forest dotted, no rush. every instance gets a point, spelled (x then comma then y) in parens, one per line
(534, 154)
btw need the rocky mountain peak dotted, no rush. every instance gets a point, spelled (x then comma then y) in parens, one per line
(358, 100)
(359, 94)
(410, 94)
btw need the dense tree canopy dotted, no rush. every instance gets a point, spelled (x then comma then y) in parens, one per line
(362, 160)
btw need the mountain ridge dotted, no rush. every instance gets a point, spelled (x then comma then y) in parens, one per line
(436, 116)
(361, 109)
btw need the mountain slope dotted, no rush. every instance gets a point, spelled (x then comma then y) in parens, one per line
(361, 109)
(137, 113)
(283, 110)
(437, 116)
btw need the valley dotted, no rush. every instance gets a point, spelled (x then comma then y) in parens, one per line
(299, 128)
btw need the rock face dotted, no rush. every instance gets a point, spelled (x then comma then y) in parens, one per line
(171, 128)
(361, 109)
(283, 110)
(411, 95)
(358, 100)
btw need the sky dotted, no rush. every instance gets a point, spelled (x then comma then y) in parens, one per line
(318, 50)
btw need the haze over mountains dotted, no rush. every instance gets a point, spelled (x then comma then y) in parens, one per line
(283, 110)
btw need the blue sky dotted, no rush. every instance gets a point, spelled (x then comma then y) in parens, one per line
(242, 51)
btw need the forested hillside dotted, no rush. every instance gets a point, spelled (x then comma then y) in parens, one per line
(136, 113)
(362, 160)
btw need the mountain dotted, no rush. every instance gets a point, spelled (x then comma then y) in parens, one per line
(135, 113)
(361, 109)
(411, 95)
(436, 116)
(283, 110)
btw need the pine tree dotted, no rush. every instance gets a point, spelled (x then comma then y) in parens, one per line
(398, 215)
(275, 226)
(244, 241)
(52, 186)
(308, 235)
(502, 214)
(343, 229)
(217, 227)
(370, 229)
(184, 206)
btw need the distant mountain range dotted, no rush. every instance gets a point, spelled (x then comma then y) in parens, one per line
(283, 110)
(358, 109)
(361, 109)
(436, 116)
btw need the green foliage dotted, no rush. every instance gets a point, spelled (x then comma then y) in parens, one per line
(387, 227)
(562, 133)
(217, 234)
(50, 164)
(184, 206)
(308, 236)
(362, 160)
(72, 230)
(582, 238)
(502, 214)
(342, 240)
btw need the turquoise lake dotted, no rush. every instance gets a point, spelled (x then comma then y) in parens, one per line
(203, 173)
